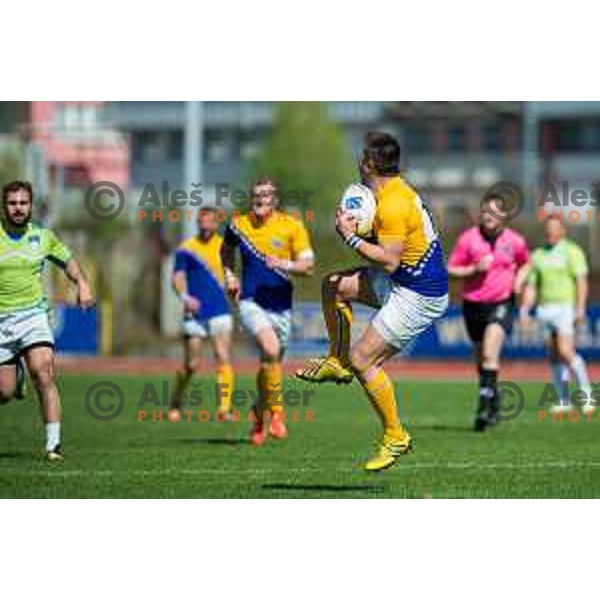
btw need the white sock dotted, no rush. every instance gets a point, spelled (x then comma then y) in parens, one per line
(558, 371)
(52, 436)
(579, 369)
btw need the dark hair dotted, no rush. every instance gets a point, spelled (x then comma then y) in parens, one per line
(382, 150)
(15, 186)
(266, 181)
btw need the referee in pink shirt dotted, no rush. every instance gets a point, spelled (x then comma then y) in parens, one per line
(492, 259)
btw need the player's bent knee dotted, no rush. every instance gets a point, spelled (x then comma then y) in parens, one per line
(270, 353)
(43, 375)
(565, 351)
(567, 356)
(222, 357)
(268, 344)
(359, 363)
(330, 283)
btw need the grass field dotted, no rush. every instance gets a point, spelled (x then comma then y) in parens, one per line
(321, 459)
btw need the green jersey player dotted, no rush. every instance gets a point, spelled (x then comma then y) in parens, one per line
(558, 285)
(24, 328)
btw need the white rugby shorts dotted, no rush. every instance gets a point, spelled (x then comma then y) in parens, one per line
(404, 314)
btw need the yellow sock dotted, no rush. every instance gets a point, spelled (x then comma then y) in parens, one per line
(270, 380)
(224, 386)
(338, 319)
(380, 391)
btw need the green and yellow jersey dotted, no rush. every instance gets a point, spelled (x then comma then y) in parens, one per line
(22, 260)
(554, 272)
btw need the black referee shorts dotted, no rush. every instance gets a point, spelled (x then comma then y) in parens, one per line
(479, 315)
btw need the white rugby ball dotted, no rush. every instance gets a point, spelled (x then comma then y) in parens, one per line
(359, 200)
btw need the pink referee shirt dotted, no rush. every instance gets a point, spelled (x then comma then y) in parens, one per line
(496, 285)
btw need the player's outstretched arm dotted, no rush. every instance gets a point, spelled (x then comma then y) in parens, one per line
(85, 298)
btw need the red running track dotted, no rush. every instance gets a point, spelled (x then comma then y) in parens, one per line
(414, 369)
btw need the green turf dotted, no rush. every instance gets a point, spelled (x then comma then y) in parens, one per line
(321, 459)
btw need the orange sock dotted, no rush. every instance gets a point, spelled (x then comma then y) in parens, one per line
(270, 387)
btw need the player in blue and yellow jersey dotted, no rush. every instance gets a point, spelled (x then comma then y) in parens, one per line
(198, 280)
(406, 281)
(273, 246)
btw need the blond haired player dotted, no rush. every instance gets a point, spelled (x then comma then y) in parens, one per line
(273, 246)
(407, 282)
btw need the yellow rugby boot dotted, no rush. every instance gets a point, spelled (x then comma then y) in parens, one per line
(390, 450)
(320, 370)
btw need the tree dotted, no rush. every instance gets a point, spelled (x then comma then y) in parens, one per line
(307, 152)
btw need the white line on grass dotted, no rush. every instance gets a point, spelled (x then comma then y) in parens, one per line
(58, 472)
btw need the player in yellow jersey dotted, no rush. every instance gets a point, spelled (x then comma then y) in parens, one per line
(273, 247)
(198, 280)
(406, 281)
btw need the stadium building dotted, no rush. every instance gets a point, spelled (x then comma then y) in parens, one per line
(66, 147)
(233, 133)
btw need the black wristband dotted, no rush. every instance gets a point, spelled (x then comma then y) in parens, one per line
(353, 241)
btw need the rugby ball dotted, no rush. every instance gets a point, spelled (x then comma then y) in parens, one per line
(359, 200)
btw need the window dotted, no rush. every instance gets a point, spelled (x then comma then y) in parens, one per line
(175, 145)
(149, 147)
(216, 148)
(568, 134)
(457, 138)
(76, 118)
(590, 137)
(577, 135)
(417, 139)
(492, 137)
(249, 148)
